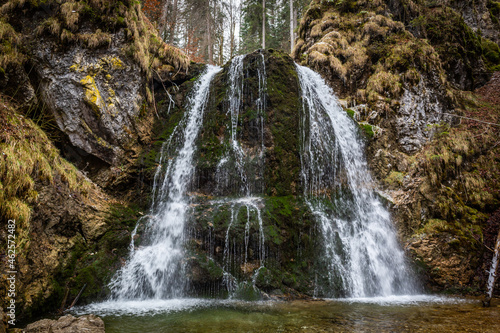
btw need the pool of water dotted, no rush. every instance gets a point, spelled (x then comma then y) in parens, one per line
(389, 314)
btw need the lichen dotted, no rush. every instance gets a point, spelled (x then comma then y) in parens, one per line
(93, 96)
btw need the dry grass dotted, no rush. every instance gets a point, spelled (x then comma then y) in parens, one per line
(9, 46)
(357, 44)
(384, 83)
(27, 158)
(146, 47)
(70, 13)
(96, 39)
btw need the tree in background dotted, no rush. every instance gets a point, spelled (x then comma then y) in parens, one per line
(274, 20)
(213, 31)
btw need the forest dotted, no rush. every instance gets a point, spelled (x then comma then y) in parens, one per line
(213, 31)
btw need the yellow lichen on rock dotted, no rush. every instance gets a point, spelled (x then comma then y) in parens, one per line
(93, 96)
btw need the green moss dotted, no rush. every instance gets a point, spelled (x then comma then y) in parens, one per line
(350, 113)
(395, 178)
(94, 263)
(367, 130)
(491, 52)
(283, 164)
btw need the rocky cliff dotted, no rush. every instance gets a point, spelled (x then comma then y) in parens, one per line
(75, 80)
(401, 67)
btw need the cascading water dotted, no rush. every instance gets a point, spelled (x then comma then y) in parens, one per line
(155, 269)
(248, 160)
(362, 255)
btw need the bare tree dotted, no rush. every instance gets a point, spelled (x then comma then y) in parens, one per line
(263, 24)
(292, 37)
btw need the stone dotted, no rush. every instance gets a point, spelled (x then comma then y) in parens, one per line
(419, 113)
(68, 324)
(94, 95)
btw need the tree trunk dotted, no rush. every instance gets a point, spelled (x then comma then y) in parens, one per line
(173, 24)
(263, 24)
(291, 26)
(209, 35)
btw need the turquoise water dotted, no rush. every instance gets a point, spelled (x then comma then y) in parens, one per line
(390, 314)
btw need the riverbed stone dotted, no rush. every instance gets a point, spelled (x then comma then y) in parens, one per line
(68, 324)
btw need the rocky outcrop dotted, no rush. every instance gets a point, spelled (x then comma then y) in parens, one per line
(95, 95)
(93, 75)
(84, 81)
(402, 89)
(390, 78)
(481, 16)
(68, 324)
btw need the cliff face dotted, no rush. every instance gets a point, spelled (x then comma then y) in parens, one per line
(74, 82)
(90, 64)
(400, 66)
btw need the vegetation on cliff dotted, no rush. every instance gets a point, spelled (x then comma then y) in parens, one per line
(441, 169)
(70, 232)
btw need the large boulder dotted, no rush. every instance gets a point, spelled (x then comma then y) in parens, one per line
(68, 324)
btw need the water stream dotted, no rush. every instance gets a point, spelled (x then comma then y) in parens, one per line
(155, 269)
(361, 267)
(360, 246)
(361, 256)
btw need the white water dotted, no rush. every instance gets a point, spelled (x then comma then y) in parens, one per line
(362, 255)
(242, 157)
(250, 205)
(155, 270)
(493, 270)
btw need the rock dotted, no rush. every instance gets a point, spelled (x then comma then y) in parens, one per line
(15, 82)
(3, 321)
(419, 113)
(68, 324)
(95, 95)
(477, 16)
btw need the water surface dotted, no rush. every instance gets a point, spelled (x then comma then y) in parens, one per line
(379, 314)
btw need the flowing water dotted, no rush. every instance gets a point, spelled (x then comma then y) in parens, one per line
(361, 256)
(247, 158)
(360, 246)
(155, 269)
(361, 259)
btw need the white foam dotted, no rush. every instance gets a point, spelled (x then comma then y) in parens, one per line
(403, 300)
(142, 307)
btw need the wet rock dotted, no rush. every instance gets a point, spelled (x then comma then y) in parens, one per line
(419, 113)
(68, 324)
(94, 95)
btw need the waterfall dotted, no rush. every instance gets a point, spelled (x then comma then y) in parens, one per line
(361, 254)
(155, 269)
(247, 158)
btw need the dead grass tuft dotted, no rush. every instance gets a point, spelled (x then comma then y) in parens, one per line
(28, 157)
